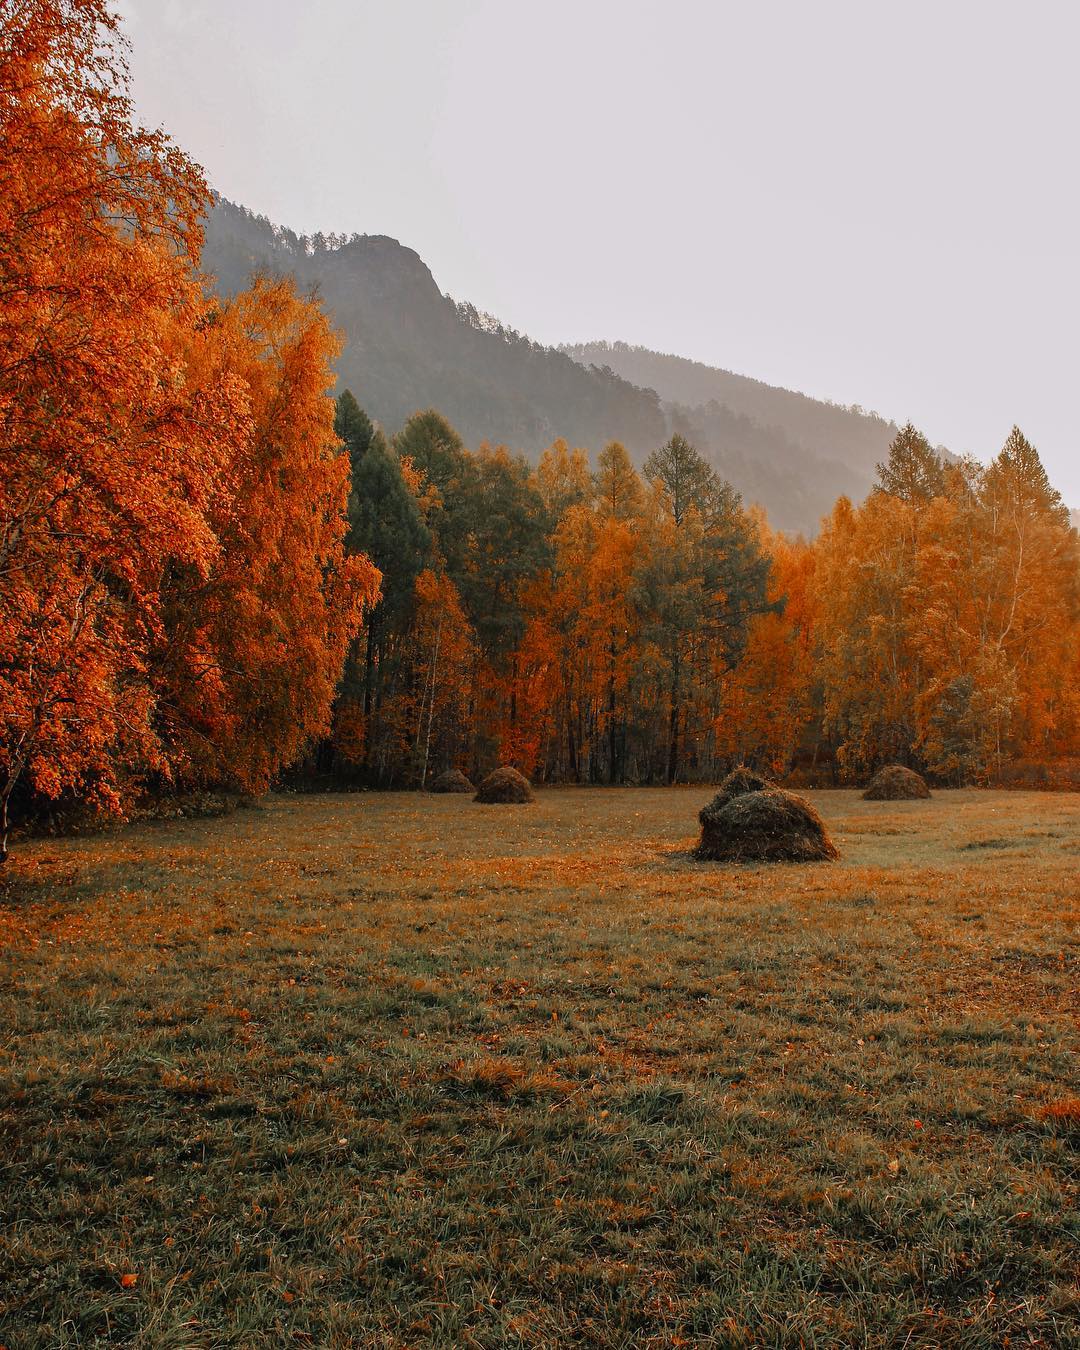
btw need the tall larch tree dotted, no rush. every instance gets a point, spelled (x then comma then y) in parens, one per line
(701, 580)
(914, 471)
(768, 704)
(867, 563)
(1030, 602)
(562, 480)
(386, 523)
(617, 487)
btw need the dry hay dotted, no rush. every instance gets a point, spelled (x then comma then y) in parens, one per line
(896, 784)
(738, 782)
(768, 826)
(453, 780)
(504, 785)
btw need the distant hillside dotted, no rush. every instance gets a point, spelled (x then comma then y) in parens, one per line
(849, 435)
(408, 346)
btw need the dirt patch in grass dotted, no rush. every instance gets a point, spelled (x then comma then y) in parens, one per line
(368, 1070)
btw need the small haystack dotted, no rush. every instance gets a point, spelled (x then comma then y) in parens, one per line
(504, 785)
(896, 784)
(767, 826)
(738, 782)
(453, 780)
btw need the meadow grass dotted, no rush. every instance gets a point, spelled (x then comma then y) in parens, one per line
(391, 1070)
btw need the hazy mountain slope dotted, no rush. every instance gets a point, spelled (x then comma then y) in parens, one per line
(848, 435)
(408, 346)
(796, 485)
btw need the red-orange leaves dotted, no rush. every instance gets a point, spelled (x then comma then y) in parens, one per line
(253, 655)
(108, 457)
(173, 590)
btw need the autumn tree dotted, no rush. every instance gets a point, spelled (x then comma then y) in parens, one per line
(866, 568)
(869, 563)
(110, 459)
(767, 706)
(913, 471)
(701, 579)
(562, 479)
(1001, 605)
(616, 484)
(443, 654)
(174, 600)
(1039, 602)
(609, 632)
(948, 622)
(386, 523)
(254, 652)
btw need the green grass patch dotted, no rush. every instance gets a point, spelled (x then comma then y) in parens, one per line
(395, 1071)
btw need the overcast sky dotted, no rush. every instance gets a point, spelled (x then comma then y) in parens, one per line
(873, 203)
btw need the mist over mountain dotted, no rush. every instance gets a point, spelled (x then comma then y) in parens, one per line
(850, 436)
(408, 346)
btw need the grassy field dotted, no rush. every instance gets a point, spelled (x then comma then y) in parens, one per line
(392, 1071)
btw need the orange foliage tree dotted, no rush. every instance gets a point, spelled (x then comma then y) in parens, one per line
(146, 442)
(866, 567)
(254, 648)
(950, 616)
(108, 459)
(768, 702)
(444, 657)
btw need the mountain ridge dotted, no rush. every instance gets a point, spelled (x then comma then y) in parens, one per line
(853, 434)
(409, 346)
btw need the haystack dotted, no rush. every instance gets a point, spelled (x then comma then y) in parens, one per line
(768, 826)
(738, 782)
(504, 785)
(896, 784)
(453, 780)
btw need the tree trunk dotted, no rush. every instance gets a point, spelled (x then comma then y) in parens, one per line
(369, 683)
(673, 722)
(431, 704)
(5, 827)
(611, 720)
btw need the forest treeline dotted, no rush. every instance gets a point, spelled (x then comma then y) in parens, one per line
(211, 573)
(850, 435)
(408, 346)
(592, 624)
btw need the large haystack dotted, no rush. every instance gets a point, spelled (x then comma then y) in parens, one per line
(738, 782)
(504, 786)
(768, 826)
(896, 784)
(453, 780)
